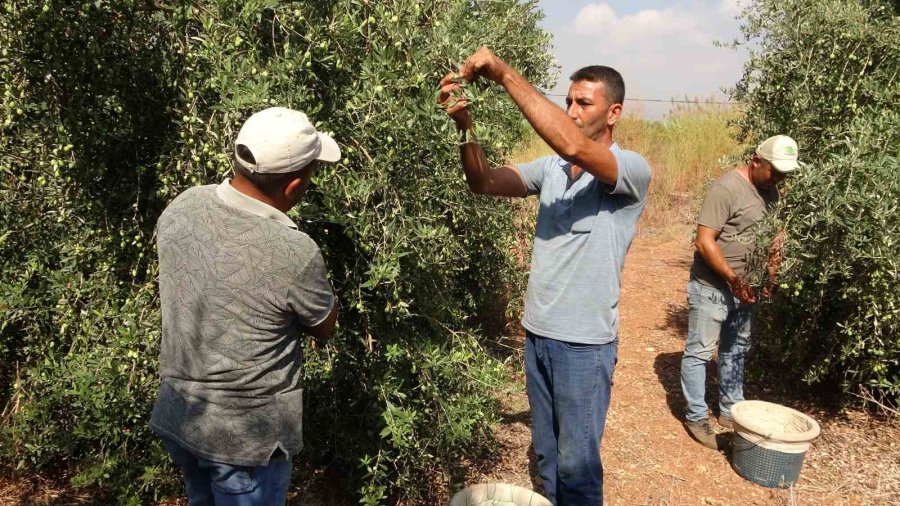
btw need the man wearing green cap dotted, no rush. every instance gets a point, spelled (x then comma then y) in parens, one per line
(722, 304)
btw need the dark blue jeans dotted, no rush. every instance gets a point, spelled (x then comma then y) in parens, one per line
(208, 483)
(569, 389)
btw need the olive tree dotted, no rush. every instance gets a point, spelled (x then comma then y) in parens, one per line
(112, 108)
(826, 73)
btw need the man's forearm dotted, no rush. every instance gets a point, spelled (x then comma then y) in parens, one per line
(548, 120)
(475, 166)
(776, 255)
(714, 257)
(552, 124)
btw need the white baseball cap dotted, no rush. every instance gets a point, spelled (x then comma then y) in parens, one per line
(781, 152)
(282, 140)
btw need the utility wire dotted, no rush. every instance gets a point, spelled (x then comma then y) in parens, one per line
(667, 101)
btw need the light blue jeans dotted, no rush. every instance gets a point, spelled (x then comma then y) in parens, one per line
(715, 317)
(569, 389)
(208, 483)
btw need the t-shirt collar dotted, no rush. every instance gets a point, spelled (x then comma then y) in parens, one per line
(234, 198)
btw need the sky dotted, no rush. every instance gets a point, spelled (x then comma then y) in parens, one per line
(662, 49)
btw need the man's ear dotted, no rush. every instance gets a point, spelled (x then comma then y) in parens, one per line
(615, 112)
(294, 186)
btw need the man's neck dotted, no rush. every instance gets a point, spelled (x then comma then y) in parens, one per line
(246, 187)
(744, 171)
(605, 139)
(747, 174)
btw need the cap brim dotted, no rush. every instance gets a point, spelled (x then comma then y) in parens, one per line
(785, 166)
(330, 150)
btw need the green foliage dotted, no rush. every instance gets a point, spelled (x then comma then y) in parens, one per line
(110, 109)
(825, 72)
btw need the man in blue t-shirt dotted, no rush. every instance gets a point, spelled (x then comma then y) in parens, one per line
(592, 194)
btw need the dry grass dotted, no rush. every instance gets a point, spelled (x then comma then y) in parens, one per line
(690, 148)
(856, 460)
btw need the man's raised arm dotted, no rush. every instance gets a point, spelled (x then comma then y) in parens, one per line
(505, 181)
(557, 129)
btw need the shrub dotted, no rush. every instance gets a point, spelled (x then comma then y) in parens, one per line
(825, 72)
(110, 109)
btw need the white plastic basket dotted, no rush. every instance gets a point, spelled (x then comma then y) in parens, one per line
(770, 442)
(774, 426)
(498, 494)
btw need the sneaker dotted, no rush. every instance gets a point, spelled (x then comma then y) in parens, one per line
(726, 421)
(703, 433)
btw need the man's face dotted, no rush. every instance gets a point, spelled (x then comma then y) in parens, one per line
(588, 106)
(764, 174)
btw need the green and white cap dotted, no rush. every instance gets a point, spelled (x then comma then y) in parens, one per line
(280, 140)
(781, 151)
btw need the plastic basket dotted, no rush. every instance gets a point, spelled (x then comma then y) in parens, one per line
(498, 494)
(770, 442)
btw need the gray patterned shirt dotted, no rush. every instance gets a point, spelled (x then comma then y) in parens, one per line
(237, 285)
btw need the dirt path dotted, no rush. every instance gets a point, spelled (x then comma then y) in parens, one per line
(648, 457)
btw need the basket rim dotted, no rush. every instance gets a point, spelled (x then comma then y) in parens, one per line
(759, 429)
(535, 498)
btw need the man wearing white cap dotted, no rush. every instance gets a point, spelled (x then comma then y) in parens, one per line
(238, 286)
(722, 303)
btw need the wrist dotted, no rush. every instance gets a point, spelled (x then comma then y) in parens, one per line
(503, 74)
(467, 136)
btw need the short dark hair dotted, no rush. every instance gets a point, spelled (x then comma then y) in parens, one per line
(270, 184)
(610, 77)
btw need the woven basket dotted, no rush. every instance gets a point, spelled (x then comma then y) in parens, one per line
(498, 494)
(770, 442)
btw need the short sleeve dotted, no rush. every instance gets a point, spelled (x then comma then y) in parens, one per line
(310, 296)
(716, 208)
(633, 175)
(533, 174)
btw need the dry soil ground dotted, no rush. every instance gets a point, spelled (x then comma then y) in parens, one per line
(648, 457)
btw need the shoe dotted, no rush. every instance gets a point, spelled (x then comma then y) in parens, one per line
(726, 421)
(703, 433)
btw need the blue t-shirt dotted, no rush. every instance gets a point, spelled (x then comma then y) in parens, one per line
(584, 229)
